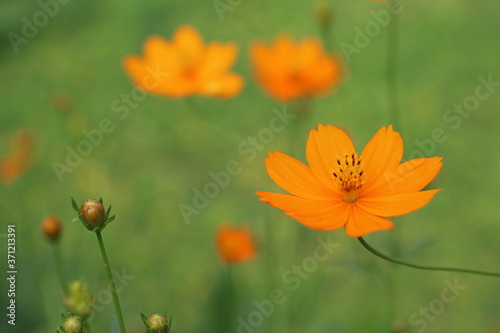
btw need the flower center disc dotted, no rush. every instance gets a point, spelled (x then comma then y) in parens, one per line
(348, 175)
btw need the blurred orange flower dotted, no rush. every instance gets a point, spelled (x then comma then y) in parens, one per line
(287, 70)
(185, 66)
(51, 227)
(19, 160)
(338, 188)
(235, 244)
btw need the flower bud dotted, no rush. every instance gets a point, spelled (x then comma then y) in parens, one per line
(51, 227)
(73, 325)
(93, 214)
(323, 12)
(157, 323)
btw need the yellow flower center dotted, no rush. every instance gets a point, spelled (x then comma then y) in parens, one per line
(349, 177)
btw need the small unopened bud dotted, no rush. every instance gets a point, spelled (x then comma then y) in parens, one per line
(157, 323)
(323, 12)
(51, 227)
(73, 325)
(93, 214)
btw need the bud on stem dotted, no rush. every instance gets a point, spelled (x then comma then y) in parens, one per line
(92, 214)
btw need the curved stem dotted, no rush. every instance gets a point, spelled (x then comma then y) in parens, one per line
(111, 282)
(430, 268)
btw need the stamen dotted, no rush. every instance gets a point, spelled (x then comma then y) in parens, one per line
(348, 175)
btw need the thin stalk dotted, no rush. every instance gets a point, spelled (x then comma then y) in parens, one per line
(61, 271)
(417, 266)
(111, 282)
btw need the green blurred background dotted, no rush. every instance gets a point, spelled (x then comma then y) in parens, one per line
(64, 80)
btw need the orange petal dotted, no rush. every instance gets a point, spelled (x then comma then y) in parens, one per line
(324, 75)
(309, 52)
(157, 50)
(398, 204)
(329, 217)
(224, 87)
(383, 152)
(188, 41)
(410, 176)
(218, 59)
(362, 222)
(19, 160)
(288, 202)
(143, 76)
(323, 148)
(295, 177)
(323, 215)
(260, 56)
(135, 67)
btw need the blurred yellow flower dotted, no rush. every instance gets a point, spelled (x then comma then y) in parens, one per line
(288, 70)
(79, 300)
(235, 244)
(341, 189)
(19, 160)
(185, 66)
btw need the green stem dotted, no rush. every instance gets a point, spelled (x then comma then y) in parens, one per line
(430, 268)
(231, 300)
(61, 272)
(391, 70)
(111, 282)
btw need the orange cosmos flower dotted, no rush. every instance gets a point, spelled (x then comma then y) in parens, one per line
(235, 244)
(185, 66)
(287, 70)
(51, 227)
(19, 160)
(340, 188)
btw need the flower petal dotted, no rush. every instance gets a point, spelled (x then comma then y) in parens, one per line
(224, 86)
(188, 42)
(323, 148)
(288, 202)
(158, 51)
(396, 205)
(362, 222)
(410, 176)
(309, 51)
(383, 152)
(218, 59)
(322, 215)
(295, 177)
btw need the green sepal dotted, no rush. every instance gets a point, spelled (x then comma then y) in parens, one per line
(144, 318)
(107, 212)
(169, 323)
(75, 206)
(76, 219)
